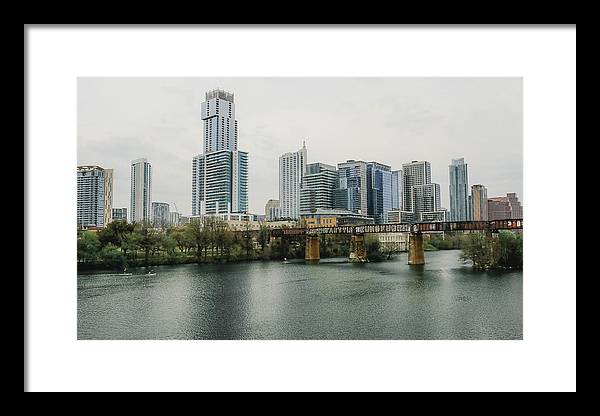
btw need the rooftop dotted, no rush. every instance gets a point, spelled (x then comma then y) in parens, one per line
(221, 94)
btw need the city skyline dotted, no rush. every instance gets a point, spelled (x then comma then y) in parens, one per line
(119, 120)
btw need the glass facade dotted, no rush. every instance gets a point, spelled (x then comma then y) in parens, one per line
(220, 174)
(459, 191)
(379, 191)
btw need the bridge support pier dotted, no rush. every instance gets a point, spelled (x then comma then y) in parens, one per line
(416, 253)
(358, 251)
(312, 251)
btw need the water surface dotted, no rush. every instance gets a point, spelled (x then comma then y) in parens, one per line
(443, 299)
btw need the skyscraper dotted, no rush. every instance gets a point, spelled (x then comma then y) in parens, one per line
(397, 189)
(421, 198)
(141, 190)
(94, 196)
(220, 125)
(220, 173)
(160, 214)
(415, 173)
(459, 191)
(379, 191)
(291, 171)
(317, 187)
(351, 189)
(479, 203)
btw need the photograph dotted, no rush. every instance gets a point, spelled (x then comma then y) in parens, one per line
(333, 208)
(299, 208)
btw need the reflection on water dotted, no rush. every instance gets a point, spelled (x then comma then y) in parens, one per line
(443, 299)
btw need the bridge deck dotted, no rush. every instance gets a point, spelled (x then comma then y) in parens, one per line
(423, 227)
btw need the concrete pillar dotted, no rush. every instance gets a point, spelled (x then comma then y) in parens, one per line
(416, 253)
(358, 251)
(312, 252)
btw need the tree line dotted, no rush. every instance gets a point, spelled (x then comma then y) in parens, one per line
(121, 245)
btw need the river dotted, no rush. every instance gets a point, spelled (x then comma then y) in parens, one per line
(444, 299)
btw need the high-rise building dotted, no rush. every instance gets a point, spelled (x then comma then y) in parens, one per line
(220, 125)
(291, 171)
(220, 173)
(459, 190)
(414, 173)
(94, 188)
(421, 197)
(272, 210)
(108, 196)
(351, 189)
(397, 190)
(160, 214)
(141, 190)
(379, 191)
(119, 214)
(427, 198)
(318, 183)
(505, 207)
(174, 218)
(479, 203)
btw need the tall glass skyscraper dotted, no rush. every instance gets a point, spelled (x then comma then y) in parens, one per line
(397, 189)
(141, 190)
(351, 193)
(220, 173)
(291, 171)
(379, 191)
(317, 188)
(459, 191)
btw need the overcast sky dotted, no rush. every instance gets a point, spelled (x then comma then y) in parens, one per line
(388, 120)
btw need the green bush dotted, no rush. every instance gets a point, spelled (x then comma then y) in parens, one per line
(502, 251)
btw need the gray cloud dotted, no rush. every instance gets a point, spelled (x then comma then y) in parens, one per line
(390, 120)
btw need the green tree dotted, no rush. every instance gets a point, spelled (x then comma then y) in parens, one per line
(510, 250)
(373, 248)
(112, 256)
(147, 239)
(264, 235)
(88, 246)
(198, 236)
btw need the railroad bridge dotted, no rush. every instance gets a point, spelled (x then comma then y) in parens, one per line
(416, 253)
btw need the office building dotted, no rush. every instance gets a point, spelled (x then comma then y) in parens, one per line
(459, 190)
(94, 196)
(220, 173)
(415, 173)
(379, 191)
(272, 210)
(397, 190)
(505, 207)
(291, 170)
(421, 198)
(119, 214)
(174, 219)
(160, 214)
(318, 183)
(479, 203)
(351, 189)
(333, 218)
